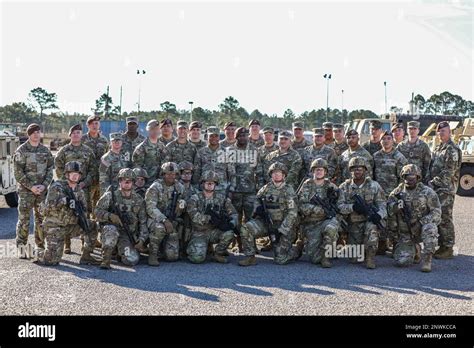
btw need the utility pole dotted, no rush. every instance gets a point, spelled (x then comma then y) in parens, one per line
(327, 77)
(191, 114)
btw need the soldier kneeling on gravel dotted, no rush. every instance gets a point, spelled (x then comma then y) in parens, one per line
(214, 220)
(122, 217)
(414, 211)
(274, 215)
(64, 200)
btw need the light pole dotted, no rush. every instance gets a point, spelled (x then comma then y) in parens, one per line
(143, 72)
(327, 77)
(342, 106)
(191, 114)
(385, 87)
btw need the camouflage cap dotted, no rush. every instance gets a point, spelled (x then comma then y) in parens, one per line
(442, 124)
(398, 125)
(210, 175)
(140, 172)
(241, 130)
(351, 132)
(213, 130)
(413, 124)
(195, 124)
(318, 131)
(328, 125)
(75, 128)
(268, 130)
(277, 166)
(127, 173)
(230, 124)
(357, 162)
(72, 166)
(169, 167)
(165, 122)
(285, 134)
(34, 127)
(152, 124)
(254, 122)
(93, 118)
(185, 165)
(115, 136)
(338, 126)
(182, 124)
(375, 124)
(319, 163)
(132, 119)
(411, 169)
(297, 125)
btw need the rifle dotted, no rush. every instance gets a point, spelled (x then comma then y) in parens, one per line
(78, 209)
(220, 218)
(272, 231)
(124, 217)
(170, 211)
(406, 212)
(329, 206)
(369, 210)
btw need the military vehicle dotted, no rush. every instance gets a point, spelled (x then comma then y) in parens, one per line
(9, 142)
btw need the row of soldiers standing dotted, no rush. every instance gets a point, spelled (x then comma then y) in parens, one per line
(244, 173)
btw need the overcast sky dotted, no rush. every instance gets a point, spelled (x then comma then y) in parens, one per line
(269, 55)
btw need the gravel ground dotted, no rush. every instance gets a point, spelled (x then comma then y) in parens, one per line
(267, 289)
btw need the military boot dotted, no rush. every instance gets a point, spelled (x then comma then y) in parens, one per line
(249, 261)
(325, 262)
(220, 258)
(426, 262)
(299, 246)
(106, 257)
(370, 259)
(82, 243)
(87, 258)
(153, 255)
(444, 253)
(417, 258)
(382, 247)
(67, 245)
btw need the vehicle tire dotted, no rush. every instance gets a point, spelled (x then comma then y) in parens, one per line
(466, 181)
(12, 199)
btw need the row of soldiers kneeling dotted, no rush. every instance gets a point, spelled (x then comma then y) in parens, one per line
(181, 197)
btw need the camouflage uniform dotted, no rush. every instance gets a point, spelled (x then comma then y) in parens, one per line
(165, 141)
(114, 236)
(418, 153)
(140, 172)
(157, 199)
(178, 153)
(372, 147)
(33, 166)
(99, 146)
(318, 230)
(387, 168)
(346, 157)
(340, 148)
(203, 233)
(312, 152)
(264, 150)
(423, 203)
(199, 144)
(291, 159)
(208, 159)
(257, 143)
(445, 165)
(129, 145)
(300, 146)
(150, 157)
(225, 143)
(110, 165)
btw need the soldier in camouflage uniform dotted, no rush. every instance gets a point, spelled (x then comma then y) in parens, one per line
(415, 150)
(319, 150)
(270, 145)
(414, 212)
(229, 130)
(141, 179)
(444, 173)
(186, 174)
(398, 132)
(299, 142)
(60, 219)
(373, 144)
(33, 169)
(195, 134)
(388, 164)
(354, 150)
(206, 230)
(113, 233)
(363, 228)
(280, 201)
(151, 153)
(319, 231)
(214, 157)
(328, 134)
(164, 232)
(99, 145)
(181, 149)
(166, 127)
(131, 138)
(285, 155)
(340, 143)
(111, 163)
(76, 151)
(255, 138)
